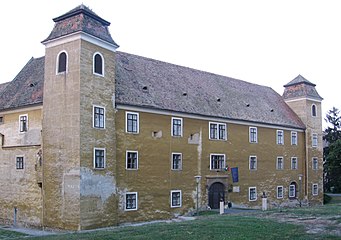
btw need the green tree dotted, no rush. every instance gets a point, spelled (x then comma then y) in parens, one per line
(332, 151)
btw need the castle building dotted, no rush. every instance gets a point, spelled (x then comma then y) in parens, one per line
(94, 137)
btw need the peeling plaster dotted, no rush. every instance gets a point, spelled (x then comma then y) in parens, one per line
(92, 184)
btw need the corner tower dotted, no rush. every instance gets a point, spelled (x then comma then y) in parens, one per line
(301, 95)
(79, 159)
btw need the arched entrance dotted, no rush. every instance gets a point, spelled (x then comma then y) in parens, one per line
(216, 192)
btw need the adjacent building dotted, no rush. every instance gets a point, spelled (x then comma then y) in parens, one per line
(94, 137)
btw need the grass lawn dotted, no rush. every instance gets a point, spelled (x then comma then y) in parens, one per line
(255, 225)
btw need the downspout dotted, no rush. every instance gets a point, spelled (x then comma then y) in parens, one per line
(306, 175)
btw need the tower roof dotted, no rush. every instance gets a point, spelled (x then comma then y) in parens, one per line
(81, 19)
(300, 87)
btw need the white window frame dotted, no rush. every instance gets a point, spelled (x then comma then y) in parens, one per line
(93, 116)
(254, 199)
(217, 135)
(23, 162)
(172, 126)
(314, 140)
(94, 158)
(251, 157)
(171, 199)
(313, 192)
(312, 112)
(137, 122)
(277, 193)
(23, 115)
(292, 167)
(137, 160)
(125, 201)
(314, 160)
(290, 190)
(217, 154)
(57, 62)
(256, 135)
(93, 64)
(277, 166)
(292, 134)
(280, 141)
(172, 163)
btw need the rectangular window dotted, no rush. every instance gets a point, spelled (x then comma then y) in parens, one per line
(252, 193)
(176, 161)
(314, 140)
(176, 127)
(98, 117)
(99, 158)
(217, 161)
(217, 131)
(1, 119)
(280, 191)
(293, 138)
(280, 163)
(253, 135)
(294, 163)
(20, 162)
(176, 198)
(292, 190)
(131, 201)
(132, 122)
(315, 163)
(132, 160)
(315, 189)
(23, 123)
(253, 163)
(280, 137)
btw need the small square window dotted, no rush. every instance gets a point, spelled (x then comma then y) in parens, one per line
(176, 198)
(280, 137)
(98, 117)
(176, 161)
(217, 131)
(280, 163)
(176, 127)
(315, 163)
(217, 161)
(294, 163)
(293, 138)
(132, 160)
(132, 122)
(130, 201)
(315, 189)
(20, 162)
(252, 193)
(253, 135)
(99, 158)
(280, 192)
(253, 163)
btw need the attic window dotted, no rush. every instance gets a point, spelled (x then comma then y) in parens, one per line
(33, 84)
(218, 99)
(247, 105)
(184, 94)
(145, 88)
(271, 110)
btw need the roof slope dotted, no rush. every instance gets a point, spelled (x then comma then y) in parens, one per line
(26, 88)
(154, 84)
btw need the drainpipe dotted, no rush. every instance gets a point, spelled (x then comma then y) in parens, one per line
(306, 163)
(15, 217)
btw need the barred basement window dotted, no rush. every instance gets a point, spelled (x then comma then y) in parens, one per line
(176, 198)
(130, 201)
(20, 162)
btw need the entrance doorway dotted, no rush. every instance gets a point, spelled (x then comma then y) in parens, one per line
(215, 193)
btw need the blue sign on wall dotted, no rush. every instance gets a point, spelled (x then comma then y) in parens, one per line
(234, 172)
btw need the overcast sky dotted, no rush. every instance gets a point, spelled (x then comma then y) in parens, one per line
(264, 42)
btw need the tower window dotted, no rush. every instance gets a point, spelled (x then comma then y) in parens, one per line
(98, 64)
(62, 62)
(313, 110)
